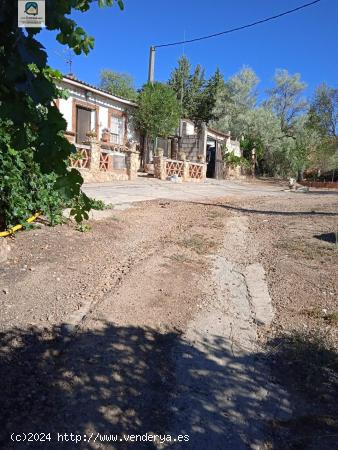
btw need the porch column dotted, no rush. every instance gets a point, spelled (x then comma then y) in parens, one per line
(95, 151)
(133, 163)
(159, 166)
(186, 176)
(203, 140)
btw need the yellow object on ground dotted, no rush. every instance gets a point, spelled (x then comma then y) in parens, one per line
(18, 227)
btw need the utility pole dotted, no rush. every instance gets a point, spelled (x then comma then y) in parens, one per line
(151, 71)
(151, 65)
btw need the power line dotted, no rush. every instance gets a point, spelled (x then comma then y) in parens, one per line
(267, 19)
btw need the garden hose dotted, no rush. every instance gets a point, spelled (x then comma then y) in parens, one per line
(18, 227)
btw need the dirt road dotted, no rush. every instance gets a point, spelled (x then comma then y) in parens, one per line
(173, 318)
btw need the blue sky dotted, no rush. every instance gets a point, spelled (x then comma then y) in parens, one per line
(304, 42)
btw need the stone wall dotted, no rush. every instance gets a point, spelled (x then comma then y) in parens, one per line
(194, 145)
(93, 170)
(236, 172)
(190, 146)
(184, 170)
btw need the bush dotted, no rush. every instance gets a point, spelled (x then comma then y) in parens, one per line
(232, 160)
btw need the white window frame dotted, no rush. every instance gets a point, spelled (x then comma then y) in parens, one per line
(117, 129)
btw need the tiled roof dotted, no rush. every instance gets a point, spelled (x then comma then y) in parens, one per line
(103, 91)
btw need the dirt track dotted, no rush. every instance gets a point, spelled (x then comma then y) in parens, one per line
(146, 324)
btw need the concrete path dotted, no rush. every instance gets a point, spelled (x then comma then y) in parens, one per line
(144, 189)
(224, 394)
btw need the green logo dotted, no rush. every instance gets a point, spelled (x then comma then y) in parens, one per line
(31, 8)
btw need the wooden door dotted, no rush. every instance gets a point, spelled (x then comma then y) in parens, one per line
(83, 123)
(219, 164)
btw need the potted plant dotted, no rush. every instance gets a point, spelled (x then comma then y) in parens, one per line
(91, 135)
(105, 135)
(131, 144)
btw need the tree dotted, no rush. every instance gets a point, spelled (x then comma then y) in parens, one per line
(285, 99)
(306, 142)
(34, 173)
(196, 95)
(260, 128)
(323, 112)
(236, 98)
(205, 111)
(158, 111)
(179, 81)
(119, 84)
(187, 87)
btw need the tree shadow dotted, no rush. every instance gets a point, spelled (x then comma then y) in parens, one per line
(130, 380)
(307, 364)
(271, 212)
(110, 381)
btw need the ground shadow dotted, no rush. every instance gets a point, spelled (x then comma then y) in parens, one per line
(271, 212)
(319, 192)
(110, 381)
(117, 380)
(331, 238)
(307, 364)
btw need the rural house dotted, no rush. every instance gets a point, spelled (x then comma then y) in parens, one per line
(99, 124)
(108, 146)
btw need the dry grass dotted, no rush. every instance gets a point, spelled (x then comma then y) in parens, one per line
(198, 244)
(314, 313)
(309, 250)
(332, 318)
(317, 313)
(218, 225)
(181, 258)
(214, 215)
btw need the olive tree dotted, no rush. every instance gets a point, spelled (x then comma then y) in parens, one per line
(235, 99)
(286, 100)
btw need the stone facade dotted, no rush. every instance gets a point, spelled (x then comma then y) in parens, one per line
(99, 167)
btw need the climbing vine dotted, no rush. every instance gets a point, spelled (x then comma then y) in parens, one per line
(34, 153)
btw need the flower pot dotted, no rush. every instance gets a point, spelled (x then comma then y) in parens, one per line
(105, 136)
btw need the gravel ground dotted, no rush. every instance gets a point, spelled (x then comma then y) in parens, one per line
(95, 326)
